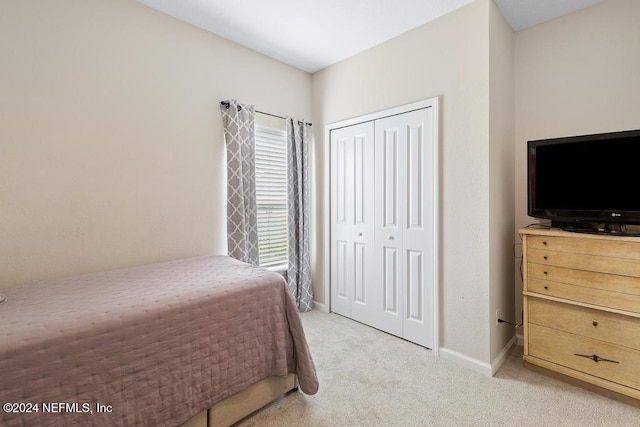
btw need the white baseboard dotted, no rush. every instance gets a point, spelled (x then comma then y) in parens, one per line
(478, 365)
(320, 307)
(464, 360)
(520, 340)
(502, 357)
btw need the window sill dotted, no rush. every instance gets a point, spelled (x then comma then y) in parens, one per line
(280, 269)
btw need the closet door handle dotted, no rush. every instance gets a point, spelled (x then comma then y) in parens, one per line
(391, 238)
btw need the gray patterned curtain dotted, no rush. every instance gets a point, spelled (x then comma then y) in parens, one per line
(242, 222)
(299, 272)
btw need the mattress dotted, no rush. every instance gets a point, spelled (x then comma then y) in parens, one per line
(149, 345)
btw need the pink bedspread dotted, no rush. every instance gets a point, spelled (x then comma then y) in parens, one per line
(149, 345)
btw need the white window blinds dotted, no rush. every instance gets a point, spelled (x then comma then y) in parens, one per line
(271, 195)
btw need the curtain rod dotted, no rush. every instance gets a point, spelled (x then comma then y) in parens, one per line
(226, 105)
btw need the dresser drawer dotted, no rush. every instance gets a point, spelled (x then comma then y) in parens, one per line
(607, 290)
(568, 350)
(601, 264)
(600, 325)
(608, 247)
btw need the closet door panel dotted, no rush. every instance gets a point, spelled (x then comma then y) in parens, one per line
(360, 274)
(391, 281)
(341, 223)
(417, 233)
(364, 278)
(390, 179)
(389, 170)
(414, 201)
(341, 269)
(352, 156)
(415, 288)
(362, 169)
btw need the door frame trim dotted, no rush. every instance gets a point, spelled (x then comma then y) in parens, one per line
(427, 103)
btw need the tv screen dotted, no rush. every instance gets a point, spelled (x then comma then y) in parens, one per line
(588, 178)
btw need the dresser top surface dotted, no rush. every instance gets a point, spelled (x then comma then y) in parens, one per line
(534, 231)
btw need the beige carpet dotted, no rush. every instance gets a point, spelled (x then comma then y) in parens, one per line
(369, 378)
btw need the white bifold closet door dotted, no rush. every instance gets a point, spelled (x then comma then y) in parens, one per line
(382, 224)
(352, 228)
(404, 237)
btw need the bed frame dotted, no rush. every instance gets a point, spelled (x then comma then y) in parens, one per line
(242, 404)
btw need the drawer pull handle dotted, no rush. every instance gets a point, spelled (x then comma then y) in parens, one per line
(546, 288)
(595, 358)
(544, 242)
(594, 323)
(545, 273)
(545, 257)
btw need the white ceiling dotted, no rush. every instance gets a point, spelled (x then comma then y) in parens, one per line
(314, 34)
(522, 14)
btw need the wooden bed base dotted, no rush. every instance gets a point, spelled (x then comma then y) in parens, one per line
(244, 403)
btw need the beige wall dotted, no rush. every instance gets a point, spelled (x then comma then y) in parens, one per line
(501, 179)
(575, 75)
(447, 58)
(111, 149)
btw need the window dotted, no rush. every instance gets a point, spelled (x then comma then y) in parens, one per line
(271, 195)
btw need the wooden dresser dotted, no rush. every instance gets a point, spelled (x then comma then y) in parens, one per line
(582, 307)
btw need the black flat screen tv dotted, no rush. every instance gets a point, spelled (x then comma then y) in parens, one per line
(585, 181)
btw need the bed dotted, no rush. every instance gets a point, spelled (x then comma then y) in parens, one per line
(167, 344)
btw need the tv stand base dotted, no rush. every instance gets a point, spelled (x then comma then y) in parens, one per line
(591, 227)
